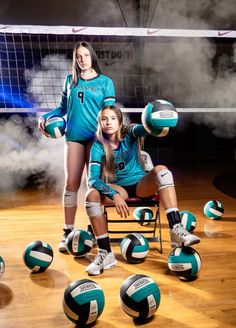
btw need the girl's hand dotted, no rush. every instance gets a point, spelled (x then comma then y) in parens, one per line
(121, 206)
(41, 126)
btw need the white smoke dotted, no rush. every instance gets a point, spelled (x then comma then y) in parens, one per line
(24, 153)
(184, 69)
(44, 83)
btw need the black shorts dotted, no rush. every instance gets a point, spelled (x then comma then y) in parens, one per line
(131, 190)
(84, 142)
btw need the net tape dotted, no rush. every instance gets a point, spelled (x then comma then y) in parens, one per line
(117, 31)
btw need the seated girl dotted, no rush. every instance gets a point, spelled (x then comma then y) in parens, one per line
(116, 157)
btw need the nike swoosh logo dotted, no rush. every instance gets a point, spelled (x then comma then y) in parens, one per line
(109, 63)
(223, 33)
(74, 30)
(152, 32)
(162, 175)
(4, 27)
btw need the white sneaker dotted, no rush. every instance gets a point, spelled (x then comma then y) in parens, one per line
(181, 237)
(103, 261)
(62, 245)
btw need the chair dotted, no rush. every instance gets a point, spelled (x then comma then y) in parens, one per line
(149, 231)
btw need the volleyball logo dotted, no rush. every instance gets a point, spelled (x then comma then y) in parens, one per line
(184, 262)
(140, 296)
(158, 116)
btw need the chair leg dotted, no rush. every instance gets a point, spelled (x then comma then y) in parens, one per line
(158, 219)
(157, 225)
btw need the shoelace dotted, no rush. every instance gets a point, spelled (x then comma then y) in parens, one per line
(99, 258)
(181, 231)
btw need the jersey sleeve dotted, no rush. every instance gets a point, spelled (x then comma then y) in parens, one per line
(109, 94)
(62, 109)
(138, 131)
(95, 169)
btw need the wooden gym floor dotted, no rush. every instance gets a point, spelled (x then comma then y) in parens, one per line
(35, 300)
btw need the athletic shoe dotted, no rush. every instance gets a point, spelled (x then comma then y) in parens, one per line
(91, 233)
(103, 261)
(181, 237)
(62, 245)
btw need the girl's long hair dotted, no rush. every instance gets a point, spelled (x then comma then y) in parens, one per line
(109, 165)
(76, 71)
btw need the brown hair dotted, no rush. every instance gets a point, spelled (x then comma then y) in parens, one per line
(76, 71)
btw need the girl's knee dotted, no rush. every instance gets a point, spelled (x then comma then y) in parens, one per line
(92, 195)
(72, 185)
(159, 168)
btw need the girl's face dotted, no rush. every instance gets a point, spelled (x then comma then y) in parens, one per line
(83, 58)
(109, 122)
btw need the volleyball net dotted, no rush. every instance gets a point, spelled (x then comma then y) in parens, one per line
(182, 66)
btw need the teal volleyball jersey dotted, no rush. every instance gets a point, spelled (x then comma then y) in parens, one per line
(128, 168)
(81, 104)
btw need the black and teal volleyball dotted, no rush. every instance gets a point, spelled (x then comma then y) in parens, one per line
(185, 262)
(134, 248)
(188, 220)
(140, 296)
(2, 266)
(83, 301)
(55, 126)
(213, 209)
(158, 116)
(79, 243)
(38, 255)
(143, 215)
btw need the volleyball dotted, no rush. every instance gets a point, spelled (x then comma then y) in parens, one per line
(134, 248)
(184, 262)
(2, 267)
(143, 215)
(140, 296)
(79, 243)
(188, 220)
(158, 116)
(83, 301)
(213, 209)
(55, 126)
(38, 255)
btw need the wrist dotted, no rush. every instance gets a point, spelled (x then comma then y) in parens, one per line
(116, 194)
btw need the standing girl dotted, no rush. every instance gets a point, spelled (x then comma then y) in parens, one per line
(85, 92)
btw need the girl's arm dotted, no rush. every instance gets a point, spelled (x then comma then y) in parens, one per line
(60, 111)
(109, 93)
(139, 131)
(94, 172)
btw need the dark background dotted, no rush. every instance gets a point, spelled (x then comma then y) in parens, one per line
(209, 14)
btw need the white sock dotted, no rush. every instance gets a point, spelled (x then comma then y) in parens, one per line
(69, 226)
(102, 236)
(172, 209)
